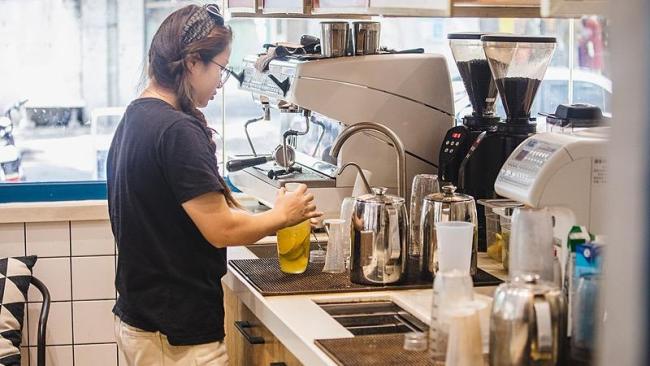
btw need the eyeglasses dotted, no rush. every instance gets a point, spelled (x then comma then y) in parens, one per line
(225, 72)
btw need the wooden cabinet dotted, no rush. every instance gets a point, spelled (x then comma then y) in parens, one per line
(254, 344)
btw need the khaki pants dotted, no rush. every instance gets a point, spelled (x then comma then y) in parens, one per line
(142, 348)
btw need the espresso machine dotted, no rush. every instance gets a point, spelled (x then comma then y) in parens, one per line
(518, 64)
(408, 93)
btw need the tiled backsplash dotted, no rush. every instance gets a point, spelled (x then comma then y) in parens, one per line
(76, 262)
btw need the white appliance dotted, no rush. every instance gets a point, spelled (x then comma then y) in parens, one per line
(566, 173)
(409, 93)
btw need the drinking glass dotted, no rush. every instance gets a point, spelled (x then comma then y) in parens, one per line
(335, 257)
(531, 243)
(423, 185)
(347, 208)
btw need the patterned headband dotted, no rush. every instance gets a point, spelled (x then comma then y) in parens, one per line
(201, 23)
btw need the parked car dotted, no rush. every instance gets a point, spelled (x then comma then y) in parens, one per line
(103, 122)
(588, 87)
(44, 113)
(11, 169)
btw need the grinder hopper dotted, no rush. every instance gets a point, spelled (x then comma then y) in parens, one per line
(518, 64)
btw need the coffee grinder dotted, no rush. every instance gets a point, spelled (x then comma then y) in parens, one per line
(475, 72)
(518, 64)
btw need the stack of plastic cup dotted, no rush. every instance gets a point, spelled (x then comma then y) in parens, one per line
(452, 286)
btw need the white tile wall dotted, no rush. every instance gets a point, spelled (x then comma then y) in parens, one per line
(55, 274)
(59, 329)
(95, 355)
(93, 321)
(93, 278)
(91, 238)
(48, 239)
(54, 356)
(77, 262)
(12, 240)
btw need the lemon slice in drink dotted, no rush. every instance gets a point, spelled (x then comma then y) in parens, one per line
(296, 252)
(290, 239)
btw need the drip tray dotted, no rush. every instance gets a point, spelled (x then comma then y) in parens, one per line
(372, 350)
(265, 276)
(373, 317)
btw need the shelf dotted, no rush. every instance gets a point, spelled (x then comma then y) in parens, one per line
(573, 8)
(495, 9)
(421, 8)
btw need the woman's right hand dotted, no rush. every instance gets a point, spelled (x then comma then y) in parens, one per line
(297, 206)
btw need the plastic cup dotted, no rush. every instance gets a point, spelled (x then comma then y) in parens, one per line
(454, 239)
(464, 345)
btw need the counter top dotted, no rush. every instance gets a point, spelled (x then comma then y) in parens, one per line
(297, 320)
(53, 211)
(86, 210)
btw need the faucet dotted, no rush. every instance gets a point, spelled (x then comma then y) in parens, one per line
(392, 136)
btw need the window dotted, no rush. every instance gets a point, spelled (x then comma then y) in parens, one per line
(70, 67)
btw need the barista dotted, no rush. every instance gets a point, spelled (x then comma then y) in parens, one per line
(171, 212)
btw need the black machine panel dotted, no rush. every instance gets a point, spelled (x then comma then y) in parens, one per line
(452, 152)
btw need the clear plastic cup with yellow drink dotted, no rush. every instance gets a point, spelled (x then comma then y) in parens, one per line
(293, 247)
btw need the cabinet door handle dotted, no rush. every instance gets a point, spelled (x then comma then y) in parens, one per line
(277, 364)
(243, 326)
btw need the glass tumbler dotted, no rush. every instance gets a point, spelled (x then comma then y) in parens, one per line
(293, 247)
(423, 185)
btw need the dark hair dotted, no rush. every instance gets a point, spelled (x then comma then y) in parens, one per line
(189, 34)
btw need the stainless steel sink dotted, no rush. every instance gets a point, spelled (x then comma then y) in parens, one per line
(373, 317)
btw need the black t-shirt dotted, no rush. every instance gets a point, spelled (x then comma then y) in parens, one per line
(168, 276)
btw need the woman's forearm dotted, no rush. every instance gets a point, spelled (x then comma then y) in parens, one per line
(249, 228)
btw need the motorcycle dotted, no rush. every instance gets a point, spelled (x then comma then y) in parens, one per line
(10, 158)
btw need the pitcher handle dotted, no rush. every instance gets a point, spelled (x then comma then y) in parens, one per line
(544, 326)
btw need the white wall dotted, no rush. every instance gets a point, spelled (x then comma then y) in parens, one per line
(57, 51)
(39, 50)
(624, 340)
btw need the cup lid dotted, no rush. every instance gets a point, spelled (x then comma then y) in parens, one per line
(448, 195)
(466, 35)
(517, 38)
(379, 196)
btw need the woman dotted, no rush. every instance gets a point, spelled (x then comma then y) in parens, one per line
(171, 212)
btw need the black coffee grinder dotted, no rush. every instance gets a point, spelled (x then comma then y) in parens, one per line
(475, 72)
(518, 65)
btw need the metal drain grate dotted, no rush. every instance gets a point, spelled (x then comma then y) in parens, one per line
(372, 350)
(265, 275)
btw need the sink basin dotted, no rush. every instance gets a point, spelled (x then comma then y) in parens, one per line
(373, 317)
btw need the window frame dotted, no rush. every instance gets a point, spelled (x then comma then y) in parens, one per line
(52, 191)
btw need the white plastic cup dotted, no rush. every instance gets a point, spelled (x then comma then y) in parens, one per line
(464, 345)
(454, 239)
